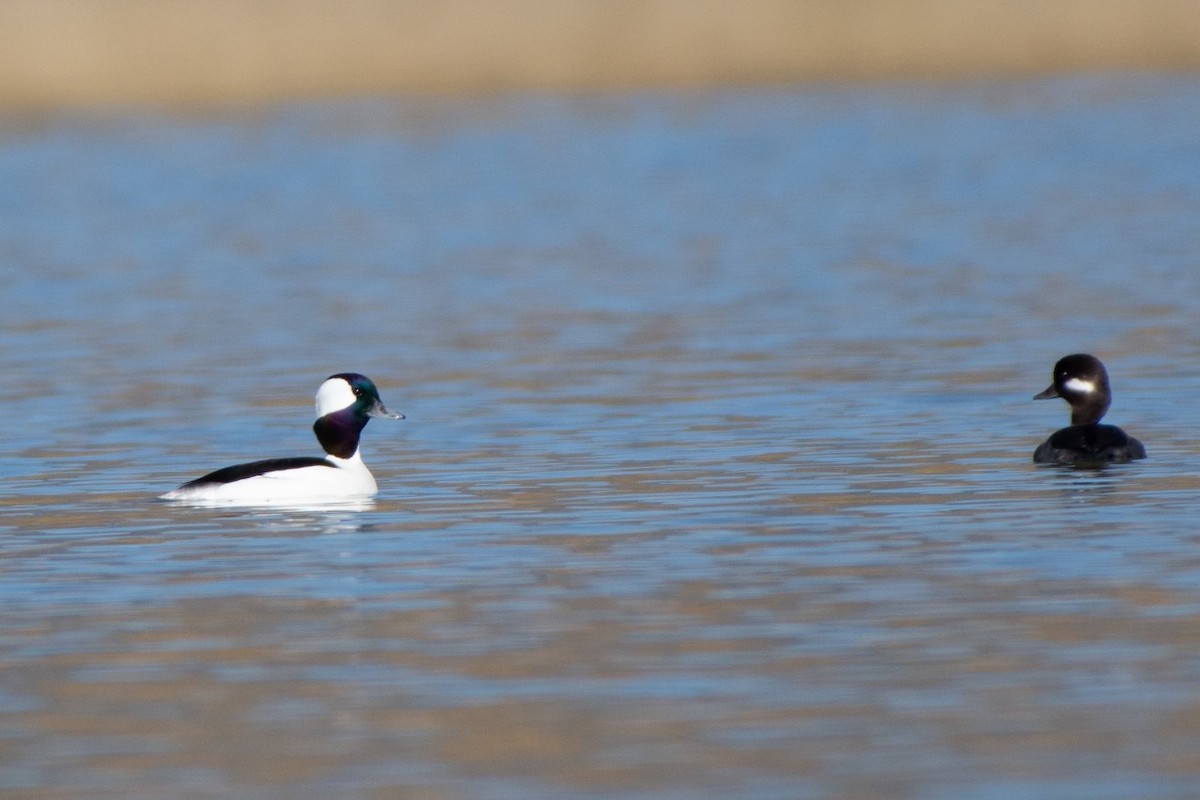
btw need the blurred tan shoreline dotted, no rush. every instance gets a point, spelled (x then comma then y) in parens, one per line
(62, 53)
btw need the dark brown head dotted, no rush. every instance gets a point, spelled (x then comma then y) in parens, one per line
(1082, 381)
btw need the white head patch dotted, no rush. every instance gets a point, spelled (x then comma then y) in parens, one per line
(334, 395)
(1079, 386)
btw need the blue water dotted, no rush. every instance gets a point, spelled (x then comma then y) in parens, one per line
(715, 479)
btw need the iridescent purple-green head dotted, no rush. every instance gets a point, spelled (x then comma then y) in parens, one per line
(345, 403)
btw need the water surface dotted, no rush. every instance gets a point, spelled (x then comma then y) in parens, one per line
(716, 476)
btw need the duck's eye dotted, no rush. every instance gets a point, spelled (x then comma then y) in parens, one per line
(358, 392)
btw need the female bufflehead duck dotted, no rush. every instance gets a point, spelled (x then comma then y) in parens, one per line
(1082, 381)
(345, 403)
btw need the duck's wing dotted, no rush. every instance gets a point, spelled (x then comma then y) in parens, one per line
(253, 469)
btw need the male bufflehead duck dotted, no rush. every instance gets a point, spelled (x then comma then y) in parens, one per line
(1082, 381)
(345, 403)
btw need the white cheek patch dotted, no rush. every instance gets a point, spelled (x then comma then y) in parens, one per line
(1079, 386)
(334, 395)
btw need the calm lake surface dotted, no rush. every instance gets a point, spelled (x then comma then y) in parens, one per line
(715, 481)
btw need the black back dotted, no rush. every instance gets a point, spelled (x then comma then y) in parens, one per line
(240, 471)
(1090, 443)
